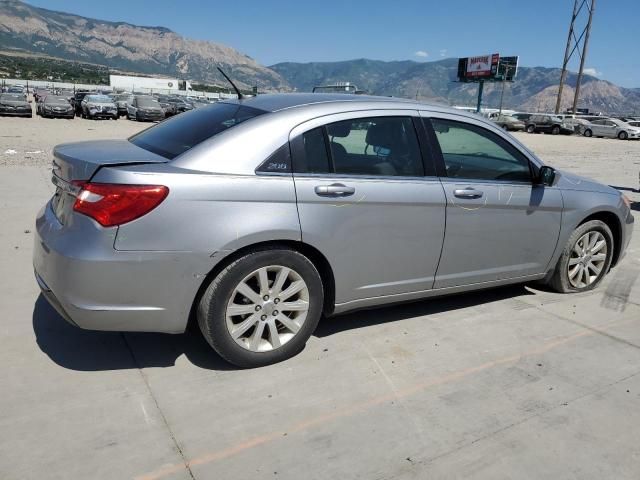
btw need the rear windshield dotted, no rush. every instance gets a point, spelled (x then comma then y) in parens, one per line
(179, 134)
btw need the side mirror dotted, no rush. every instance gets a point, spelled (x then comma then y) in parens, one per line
(546, 175)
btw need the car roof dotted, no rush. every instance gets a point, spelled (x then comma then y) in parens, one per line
(281, 101)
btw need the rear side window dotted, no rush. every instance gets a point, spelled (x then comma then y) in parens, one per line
(376, 146)
(179, 134)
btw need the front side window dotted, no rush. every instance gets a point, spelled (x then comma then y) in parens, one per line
(472, 152)
(376, 146)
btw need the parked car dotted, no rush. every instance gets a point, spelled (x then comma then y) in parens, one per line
(229, 212)
(180, 104)
(168, 107)
(14, 104)
(522, 116)
(579, 125)
(508, 122)
(53, 106)
(634, 123)
(547, 124)
(122, 100)
(99, 106)
(77, 101)
(612, 128)
(144, 108)
(18, 90)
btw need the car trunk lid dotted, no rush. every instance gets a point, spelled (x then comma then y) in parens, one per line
(79, 161)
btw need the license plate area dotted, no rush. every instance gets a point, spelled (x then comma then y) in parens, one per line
(63, 200)
(62, 205)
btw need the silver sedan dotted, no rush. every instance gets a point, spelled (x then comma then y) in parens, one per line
(255, 217)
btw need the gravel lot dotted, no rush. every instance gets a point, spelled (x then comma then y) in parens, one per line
(514, 382)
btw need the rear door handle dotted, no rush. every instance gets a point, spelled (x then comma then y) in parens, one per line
(468, 193)
(334, 190)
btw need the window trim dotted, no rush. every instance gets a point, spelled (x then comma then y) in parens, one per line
(426, 153)
(504, 143)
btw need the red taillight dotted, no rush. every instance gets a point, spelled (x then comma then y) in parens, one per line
(114, 204)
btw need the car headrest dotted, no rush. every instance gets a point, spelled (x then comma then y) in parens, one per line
(341, 129)
(381, 135)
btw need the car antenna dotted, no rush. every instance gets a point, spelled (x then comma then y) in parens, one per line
(240, 96)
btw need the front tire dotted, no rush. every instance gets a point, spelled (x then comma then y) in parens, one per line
(585, 260)
(531, 129)
(623, 135)
(588, 133)
(262, 308)
(555, 130)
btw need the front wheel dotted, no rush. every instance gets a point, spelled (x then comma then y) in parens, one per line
(585, 259)
(588, 133)
(262, 308)
(531, 129)
(555, 130)
(623, 135)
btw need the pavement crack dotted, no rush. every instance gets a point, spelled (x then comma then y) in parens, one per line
(160, 412)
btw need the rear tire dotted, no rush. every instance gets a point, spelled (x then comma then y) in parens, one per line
(531, 129)
(623, 135)
(579, 256)
(588, 133)
(268, 336)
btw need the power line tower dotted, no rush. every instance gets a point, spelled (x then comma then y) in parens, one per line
(581, 9)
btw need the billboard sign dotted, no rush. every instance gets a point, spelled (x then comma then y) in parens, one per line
(482, 66)
(478, 68)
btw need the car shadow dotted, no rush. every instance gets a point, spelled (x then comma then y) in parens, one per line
(85, 350)
(403, 311)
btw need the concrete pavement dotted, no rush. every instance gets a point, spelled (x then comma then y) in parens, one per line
(515, 382)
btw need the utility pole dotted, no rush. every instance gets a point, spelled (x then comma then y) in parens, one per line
(480, 90)
(504, 81)
(573, 46)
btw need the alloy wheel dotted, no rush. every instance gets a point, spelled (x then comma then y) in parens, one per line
(587, 260)
(267, 308)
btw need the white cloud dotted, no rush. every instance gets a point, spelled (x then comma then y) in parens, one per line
(422, 54)
(592, 71)
(443, 52)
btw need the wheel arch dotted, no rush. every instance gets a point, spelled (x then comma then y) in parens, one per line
(313, 254)
(614, 224)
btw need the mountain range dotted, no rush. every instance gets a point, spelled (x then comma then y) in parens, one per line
(28, 30)
(535, 88)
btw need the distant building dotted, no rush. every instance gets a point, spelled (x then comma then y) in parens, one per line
(131, 83)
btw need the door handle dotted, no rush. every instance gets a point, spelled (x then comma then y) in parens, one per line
(334, 190)
(468, 193)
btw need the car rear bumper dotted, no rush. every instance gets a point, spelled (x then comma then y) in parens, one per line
(96, 287)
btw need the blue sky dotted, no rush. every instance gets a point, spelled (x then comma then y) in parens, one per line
(423, 30)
